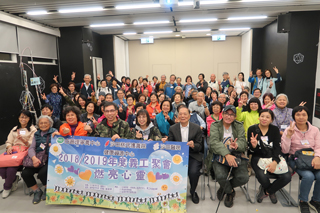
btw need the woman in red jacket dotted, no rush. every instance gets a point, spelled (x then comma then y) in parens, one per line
(73, 126)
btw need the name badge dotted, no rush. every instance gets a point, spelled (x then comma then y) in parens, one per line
(134, 90)
(198, 86)
(304, 142)
(134, 122)
(22, 132)
(116, 90)
(42, 146)
(171, 87)
(284, 126)
(225, 135)
(264, 139)
(153, 114)
(145, 137)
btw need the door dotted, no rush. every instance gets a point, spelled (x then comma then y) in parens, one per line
(97, 70)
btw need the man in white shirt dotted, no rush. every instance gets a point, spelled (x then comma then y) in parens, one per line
(191, 133)
(213, 83)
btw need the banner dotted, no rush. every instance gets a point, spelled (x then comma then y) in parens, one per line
(133, 175)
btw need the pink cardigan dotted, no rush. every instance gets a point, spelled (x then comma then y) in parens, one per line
(292, 145)
(210, 121)
(271, 108)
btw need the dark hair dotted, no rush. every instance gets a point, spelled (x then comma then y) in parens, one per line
(145, 112)
(54, 85)
(28, 114)
(162, 90)
(269, 72)
(202, 75)
(214, 91)
(47, 106)
(242, 75)
(120, 90)
(255, 100)
(130, 96)
(299, 109)
(110, 95)
(175, 77)
(83, 98)
(133, 82)
(73, 109)
(154, 77)
(155, 94)
(244, 92)
(269, 95)
(106, 104)
(77, 94)
(94, 106)
(257, 89)
(231, 85)
(145, 98)
(177, 93)
(72, 84)
(188, 76)
(123, 77)
(217, 103)
(145, 79)
(104, 81)
(139, 105)
(128, 78)
(166, 100)
(267, 110)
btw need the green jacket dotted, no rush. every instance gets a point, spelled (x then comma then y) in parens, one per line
(119, 127)
(216, 137)
(248, 118)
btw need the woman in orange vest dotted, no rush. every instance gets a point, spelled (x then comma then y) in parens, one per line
(154, 107)
(73, 126)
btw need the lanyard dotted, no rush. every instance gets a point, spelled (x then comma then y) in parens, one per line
(285, 118)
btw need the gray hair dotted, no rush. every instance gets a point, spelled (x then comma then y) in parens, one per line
(164, 76)
(246, 87)
(47, 117)
(87, 75)
(179, 78)
(225, 73)
(140, 77)
(177, 87)
(222, 94)
(282, 94)
(201, 92)
(194, 91)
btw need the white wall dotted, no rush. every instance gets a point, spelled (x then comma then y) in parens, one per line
(316, 121)
(246, 54)
(182, 57)
(121, 64)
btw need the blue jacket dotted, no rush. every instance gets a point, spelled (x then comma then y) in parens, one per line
(169, 89)
(254, 81)
(265, 85)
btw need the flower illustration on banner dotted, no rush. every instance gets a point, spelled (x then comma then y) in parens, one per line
(184, 201)
(53, 198)
(178, 199)
(156, 146)
(58, 169)
(177, 159)
(55, 149)
(176, 178)
(165, 204)
(175, 206)
(74, 201)
(69, 181)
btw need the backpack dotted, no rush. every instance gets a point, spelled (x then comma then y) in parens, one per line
(83, 84)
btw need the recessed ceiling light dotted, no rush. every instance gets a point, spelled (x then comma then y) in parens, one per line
(107, 25)
(158, 32)
(129, 33)
(177, 35)
(208, 34)
(188, 3)
(81, 10)
(151, 22)
(37, 12)
(235, 29)
(203, 30)
(198, 20)
(136, 6)
(245, 18)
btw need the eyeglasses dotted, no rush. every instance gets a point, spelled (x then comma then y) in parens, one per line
(110, 111)
(230, 115)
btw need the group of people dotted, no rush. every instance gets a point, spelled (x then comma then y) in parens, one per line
(223, 123)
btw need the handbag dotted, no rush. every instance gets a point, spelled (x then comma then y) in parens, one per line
(281, 168)
(303, 159)
(42, 156)
(15, 159)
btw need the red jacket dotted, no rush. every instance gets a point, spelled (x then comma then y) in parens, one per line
(78, 132)
(149, 88)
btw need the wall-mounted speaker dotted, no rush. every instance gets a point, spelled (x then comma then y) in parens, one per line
(87, 35)
(284, 23)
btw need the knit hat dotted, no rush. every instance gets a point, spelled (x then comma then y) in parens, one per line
(102, 93)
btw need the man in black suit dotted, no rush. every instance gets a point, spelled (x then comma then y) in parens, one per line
(191, 133)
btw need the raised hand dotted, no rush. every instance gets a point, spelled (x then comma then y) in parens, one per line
(233, 144)
(130, 111)
(204, 103)
(98, 77)
(73, 75)
(240, 104)
(253, 140)
(43, 96)
(251, 74)
(65, 131)
(235, 78)
(88, 128)
(276, 69)
(93, 93)
(110, 72)
(219, 82)
(290, 130)
(231, 100)
(120, 108)
(271, 83)
(94, 121)
(55, 78)
(302, 103)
